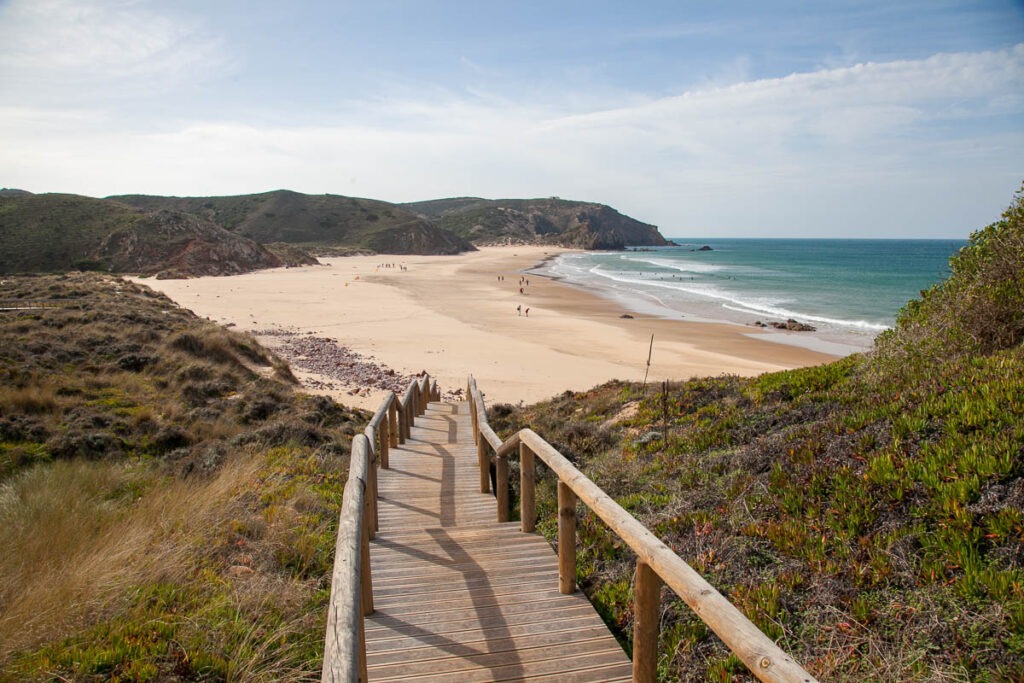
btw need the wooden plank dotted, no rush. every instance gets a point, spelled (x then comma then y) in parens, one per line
(454, 556)
(459, 571)
(542, 576)
(514, 574)
(481, 597)
(459, 620)
(479, 608)
(431, 594)
(485, 539)
(534, 629)
(610, 661)
(510, 642)
(588, 649)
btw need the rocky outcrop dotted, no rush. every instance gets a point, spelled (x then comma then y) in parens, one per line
(790, 326)
(176, 244)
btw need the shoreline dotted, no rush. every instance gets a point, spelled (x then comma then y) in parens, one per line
(815, 341)
(456, 315)
(828, 338)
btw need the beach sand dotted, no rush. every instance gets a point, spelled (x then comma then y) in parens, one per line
(452, 316)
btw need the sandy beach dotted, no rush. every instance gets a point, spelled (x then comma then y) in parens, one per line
(455, 315)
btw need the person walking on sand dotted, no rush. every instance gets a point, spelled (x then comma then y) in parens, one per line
(527, 312)
(519, 309)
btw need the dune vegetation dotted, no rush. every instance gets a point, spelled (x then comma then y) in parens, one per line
(868, 514)
(168, 501)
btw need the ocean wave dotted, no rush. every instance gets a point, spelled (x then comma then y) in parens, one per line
(701, 289)
(735, 302)
(680, 266)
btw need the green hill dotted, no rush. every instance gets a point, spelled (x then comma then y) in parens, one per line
(314, 221)
(49, 232)
(61, 232)
(581, 225)
(867, 514)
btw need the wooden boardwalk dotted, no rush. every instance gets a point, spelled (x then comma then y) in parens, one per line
(460, 597)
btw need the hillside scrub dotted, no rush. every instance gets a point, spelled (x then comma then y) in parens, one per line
(867, 514)
(168, 501)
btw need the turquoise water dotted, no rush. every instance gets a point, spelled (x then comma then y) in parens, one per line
(849, 289)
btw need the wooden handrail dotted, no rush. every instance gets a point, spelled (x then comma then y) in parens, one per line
(351, 582)
(656, 562)
(344, 647)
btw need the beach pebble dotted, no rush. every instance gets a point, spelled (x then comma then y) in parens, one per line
(326, 358)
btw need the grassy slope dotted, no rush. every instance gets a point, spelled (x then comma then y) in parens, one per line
(295, 218)
(48, 232)
(167, 501)
(58, 232)
(866, 513)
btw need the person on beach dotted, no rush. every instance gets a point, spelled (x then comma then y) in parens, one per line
(527, 312)
(519, 309)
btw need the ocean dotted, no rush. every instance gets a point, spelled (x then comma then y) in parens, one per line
(850, 290)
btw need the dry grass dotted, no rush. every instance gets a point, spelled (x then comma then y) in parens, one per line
(78, 535)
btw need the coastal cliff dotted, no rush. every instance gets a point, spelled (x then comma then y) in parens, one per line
(579, 225)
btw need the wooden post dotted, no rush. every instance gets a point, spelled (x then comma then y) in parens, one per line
(501, 486)
(527, 489)
(475, 417)
(485, 465)
(366, 578)
(384, 436)
(410, 414)
(400, 410)
(646, 610)
(566, 539)
(393, 423)
(363, 674)
(371, 511)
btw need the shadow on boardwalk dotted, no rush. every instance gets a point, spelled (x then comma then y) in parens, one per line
(460, 597)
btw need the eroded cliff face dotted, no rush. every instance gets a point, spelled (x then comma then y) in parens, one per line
(581, 225)
(176, 244)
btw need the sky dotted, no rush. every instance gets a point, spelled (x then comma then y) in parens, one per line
(847, 118)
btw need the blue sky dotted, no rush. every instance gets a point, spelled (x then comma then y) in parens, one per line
(769, 119)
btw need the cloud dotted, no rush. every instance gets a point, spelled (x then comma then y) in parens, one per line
(79, 49)
(924, 147)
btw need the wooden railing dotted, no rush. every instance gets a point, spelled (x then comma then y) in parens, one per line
(351, 583)
(656, 563)
(28, 304)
